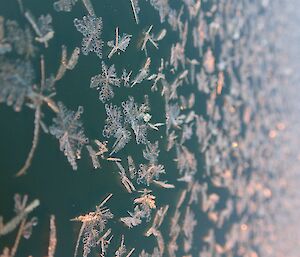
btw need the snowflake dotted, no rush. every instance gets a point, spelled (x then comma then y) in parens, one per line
(68, 129)
(104, 82)
(91, 29)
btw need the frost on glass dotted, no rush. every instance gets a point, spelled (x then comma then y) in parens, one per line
(105, 81)
(91, 29)
(68, 129)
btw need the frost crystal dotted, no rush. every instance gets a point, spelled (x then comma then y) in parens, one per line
(105, 81)
(142, 210)
(162, 6)
(151, 171)
(114, 127)
(126, 78)
(93, 224)
(16, 80)
(68, 129)
(4, 45)
(135, 116)
(64, 5)
(177, 55)
(42, 27)
(143, 73)
(136, 9)
(21, 40)
(120, 44)
(91, 29)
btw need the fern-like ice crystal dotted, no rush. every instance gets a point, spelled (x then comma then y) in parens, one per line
(68, 129)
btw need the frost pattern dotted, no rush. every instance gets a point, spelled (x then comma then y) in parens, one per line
(68, 129)
(91, 29)
(105, 81)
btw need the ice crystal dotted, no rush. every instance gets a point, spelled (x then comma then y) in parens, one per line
(4, 45)
(93, 224)
(16, 80)
(65, 63)
(68, 129)
(105, 81)
(162, 6)
(143, 73)
(114, 127)
(142, 210)
(151, 152)
(174, 118)
(186, 161)
(67, 5)
(64, 5)
(177, 55)
(126, 78)
(157, 77)
(22, 210)
(91, 29)
(21, 40)
(42, 27)
(121, 251)
(135, 116)
(136, 9)
(188, 227)
(120, 43)
(150, 171)
(124, 179)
